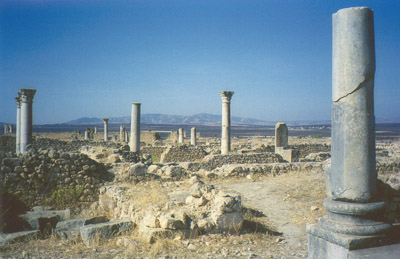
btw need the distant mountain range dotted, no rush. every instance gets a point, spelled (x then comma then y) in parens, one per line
(202, 118)
(205, 118)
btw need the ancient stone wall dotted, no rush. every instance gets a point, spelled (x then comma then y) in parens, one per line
(213, 161)
(149, 137)
(155, 151)
(41, 177)
(7, 143)
(182, 153)
(303, 150)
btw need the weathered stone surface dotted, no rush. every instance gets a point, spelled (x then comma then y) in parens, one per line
(71, 228)
(281, 135)
(37, 219)
(98, 232)
(17, 237)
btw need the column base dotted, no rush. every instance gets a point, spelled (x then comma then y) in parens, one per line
(328, 245)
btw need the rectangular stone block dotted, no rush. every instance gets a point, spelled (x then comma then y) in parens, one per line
(98, 232)
(71, 228)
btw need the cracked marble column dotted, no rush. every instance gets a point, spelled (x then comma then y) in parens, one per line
(26, 99)
(193, 137)
(18, 127)
(226, 122)
(353, 205)
(180, 136)
(134, 143)
(105, 129)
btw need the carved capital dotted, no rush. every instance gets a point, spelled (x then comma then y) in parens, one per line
(226, 96)
(26, 95)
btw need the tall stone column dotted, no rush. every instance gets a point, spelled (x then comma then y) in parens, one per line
(18, 127)
(193, 137)
(121, 133)
(134, 143)
(95, 130)
(105, 129)
(353, 206)
(26, 99)
(226, 121)
(180, 136)
(87, 134)
(10, 128)
(5, 129)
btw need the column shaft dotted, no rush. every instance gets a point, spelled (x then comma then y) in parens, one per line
(105, 129)
(180, 136)
(18, 127)
(193, 137)
(135, 128)
(26, 97)
(226, 122)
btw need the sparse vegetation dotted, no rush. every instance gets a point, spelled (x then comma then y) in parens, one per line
(65, 196)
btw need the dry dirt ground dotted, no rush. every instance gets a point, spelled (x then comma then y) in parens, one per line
(278, 208)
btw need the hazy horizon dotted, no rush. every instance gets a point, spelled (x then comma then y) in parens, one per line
(94, 58)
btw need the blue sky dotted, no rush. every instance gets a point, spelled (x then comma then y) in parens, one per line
(94, 58)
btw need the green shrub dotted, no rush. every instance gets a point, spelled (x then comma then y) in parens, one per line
(64, 196)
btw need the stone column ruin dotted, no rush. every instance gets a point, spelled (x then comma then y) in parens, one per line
(105, 129)
(18, 126)
(353, 204)
(180, 136)
(193, 137)
(226, 122)
(281, 135)
(121, 133)
(134, 143)
(26, 99)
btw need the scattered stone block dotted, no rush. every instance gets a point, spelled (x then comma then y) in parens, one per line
(17, 237)
(69, 229)
(98, 232)
(39, 219)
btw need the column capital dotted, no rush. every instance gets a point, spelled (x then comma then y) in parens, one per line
(105, 119)
(18, 101)
(26, 95)
(226, 96)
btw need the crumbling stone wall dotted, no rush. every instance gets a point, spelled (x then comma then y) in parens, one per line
(149, 137)
(182, 153)
(155, 151)
(213, 161)
(303, 150)
(7, 144)
(36, 176)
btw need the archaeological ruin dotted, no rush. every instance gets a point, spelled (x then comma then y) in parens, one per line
(231, 191)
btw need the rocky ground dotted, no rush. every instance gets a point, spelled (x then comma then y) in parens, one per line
(275, 207)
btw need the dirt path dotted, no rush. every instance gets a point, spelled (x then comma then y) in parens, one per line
(288, 201)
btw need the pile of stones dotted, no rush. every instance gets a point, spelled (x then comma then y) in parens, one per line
(38, 175)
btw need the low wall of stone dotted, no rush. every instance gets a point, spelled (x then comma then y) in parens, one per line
(182, 153)
(211, 162)
(303, 150)
(7, 144)
(265, 169)
(155, 151)
(48, 176)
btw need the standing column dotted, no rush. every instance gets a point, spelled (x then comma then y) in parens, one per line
(95, 130)
(134, 143)
(180, 136)
(193, 139)
(18, 126)
(87, 134)
(5, 129)
(121, 133)
(26, 98)
(226, 122)
(351, 221)
(281, 135)
(105, 129)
